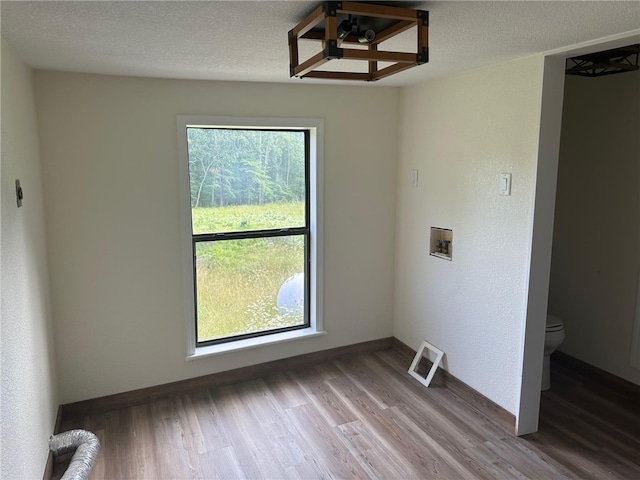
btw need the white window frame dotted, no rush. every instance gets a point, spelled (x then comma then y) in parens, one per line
(315, 126)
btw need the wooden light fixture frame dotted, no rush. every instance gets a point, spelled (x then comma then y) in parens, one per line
(334, 48)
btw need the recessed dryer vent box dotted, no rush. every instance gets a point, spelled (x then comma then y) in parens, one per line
(441, 244)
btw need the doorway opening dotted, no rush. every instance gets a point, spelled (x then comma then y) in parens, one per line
(595, 260)
(543, 221)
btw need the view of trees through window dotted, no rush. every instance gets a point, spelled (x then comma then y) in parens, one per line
(250, 229)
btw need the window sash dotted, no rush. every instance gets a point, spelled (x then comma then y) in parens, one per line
(260, 333)
(265, 233)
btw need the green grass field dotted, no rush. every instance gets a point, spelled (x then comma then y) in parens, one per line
(237, 281)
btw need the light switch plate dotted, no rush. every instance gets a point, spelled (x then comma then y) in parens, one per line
(505, 184)
(414, 178)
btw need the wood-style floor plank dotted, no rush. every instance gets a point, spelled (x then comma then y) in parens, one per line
(361, 417)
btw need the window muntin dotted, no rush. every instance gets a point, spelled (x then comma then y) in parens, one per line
(250, 209)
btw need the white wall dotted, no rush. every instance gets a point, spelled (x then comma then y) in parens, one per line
(111, 188)
(29, 394)
(461, 132)
(596, 240)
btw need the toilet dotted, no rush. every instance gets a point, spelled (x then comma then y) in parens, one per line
(553, 338)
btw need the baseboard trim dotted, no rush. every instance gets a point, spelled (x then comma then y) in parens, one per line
(48, 468)
(474, 398)
(145, 395)
(100, 405)
(596, 375)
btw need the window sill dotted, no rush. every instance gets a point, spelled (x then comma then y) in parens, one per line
(239, 345)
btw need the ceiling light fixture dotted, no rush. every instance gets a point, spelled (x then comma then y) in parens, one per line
(373, 25)
(346, 27)
(608, 62)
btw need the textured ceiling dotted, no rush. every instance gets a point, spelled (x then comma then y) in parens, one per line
(247, 41)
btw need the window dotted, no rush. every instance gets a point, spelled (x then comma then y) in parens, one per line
(250, 191)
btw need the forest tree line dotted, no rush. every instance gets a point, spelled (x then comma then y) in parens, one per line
(245, 167)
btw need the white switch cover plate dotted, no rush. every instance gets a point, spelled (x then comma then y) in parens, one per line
(505, 184)
(414, 178)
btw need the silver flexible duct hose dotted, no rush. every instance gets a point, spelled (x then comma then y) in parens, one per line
(86, 446)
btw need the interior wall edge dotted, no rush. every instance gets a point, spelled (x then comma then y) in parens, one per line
(30, 394)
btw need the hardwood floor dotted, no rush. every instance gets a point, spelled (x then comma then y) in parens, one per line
(363, 417)
(583, 416)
